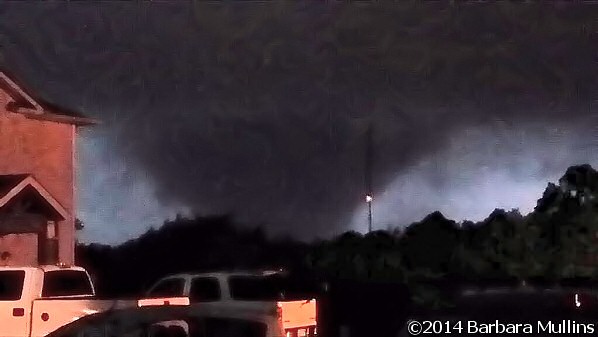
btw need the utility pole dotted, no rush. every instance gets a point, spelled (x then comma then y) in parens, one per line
(369, 197)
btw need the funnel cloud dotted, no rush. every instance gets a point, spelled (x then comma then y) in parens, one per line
(261, 110)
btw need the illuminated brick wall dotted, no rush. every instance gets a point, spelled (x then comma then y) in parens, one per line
(44, 149)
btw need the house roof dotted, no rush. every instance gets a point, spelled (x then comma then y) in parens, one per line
(10, 181)
(11, 186)
(36, 107)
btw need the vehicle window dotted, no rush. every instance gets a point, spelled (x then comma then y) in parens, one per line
(11, 285)
(254, 288)
(204, 289)
(66, 283)
(227, 327)
(173, 287)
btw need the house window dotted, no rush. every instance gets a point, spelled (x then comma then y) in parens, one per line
(51, 230)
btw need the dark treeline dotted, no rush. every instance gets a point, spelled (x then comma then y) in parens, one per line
(183, 245)
(553, 244)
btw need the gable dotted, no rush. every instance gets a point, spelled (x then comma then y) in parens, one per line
(18, 96)
(14, 98)
(19, 190)
(10, 181)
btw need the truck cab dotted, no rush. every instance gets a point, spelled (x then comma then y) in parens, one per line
(35, 301)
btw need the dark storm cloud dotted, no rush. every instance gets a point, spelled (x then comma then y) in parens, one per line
(262, 109)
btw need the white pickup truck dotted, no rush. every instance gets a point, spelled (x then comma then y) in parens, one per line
(250, 292)
(34, 301)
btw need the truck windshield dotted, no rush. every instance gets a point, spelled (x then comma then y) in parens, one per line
(66, 283)
(11, 285)
(255, 288)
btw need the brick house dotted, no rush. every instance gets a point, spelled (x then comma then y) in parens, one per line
(37, 178)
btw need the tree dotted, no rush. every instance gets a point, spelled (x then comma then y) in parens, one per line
(430, 244)
(568, 217)
(504, 245)
(79, 225)
(374, 257)
(575, 244)
(551, 197)
(184, 245)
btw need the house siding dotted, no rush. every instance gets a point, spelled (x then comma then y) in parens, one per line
(22, 248)
(44, 149)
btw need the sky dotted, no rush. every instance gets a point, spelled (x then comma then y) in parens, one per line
(261, 110)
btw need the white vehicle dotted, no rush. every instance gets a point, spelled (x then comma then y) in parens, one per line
(34, 301)
(244, 292)
(148, 322)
